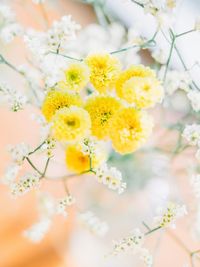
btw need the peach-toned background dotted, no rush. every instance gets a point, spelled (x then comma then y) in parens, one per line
(16, 215)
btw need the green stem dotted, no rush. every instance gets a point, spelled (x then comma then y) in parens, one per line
(46, 166)
(169, 57)
(33, 166)
(137, 3)
(153, 230)
(69, 57)
(184, 33)
(37, 148)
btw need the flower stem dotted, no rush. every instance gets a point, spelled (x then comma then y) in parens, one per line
(33, 166)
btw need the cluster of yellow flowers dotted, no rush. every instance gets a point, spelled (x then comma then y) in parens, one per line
(113, 111)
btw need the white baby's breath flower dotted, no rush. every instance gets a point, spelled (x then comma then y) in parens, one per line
(170, 214)
(15, 99)
(110, 177)
(37, 231)
(146, 257)
(194, 97)
(6, 15)
(61, 32)
(8, 33)
(8, 26)
(132, 242)
(28, 182)
(46, 205)
(93, 223)
(160, 56)
(10, 174)
(63, 203)
(192, 134)
(176, 80)
(19, 152)
(195, 183)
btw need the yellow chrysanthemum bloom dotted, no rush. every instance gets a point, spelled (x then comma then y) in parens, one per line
(101, 109)
(129, 129)
(79, 162)
(144, 92)
(132, 71)
(104, 70)
(76, 77)
(71, 124)
(57, 99)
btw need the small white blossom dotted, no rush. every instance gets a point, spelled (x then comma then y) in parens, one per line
(61, 32)
(10, 31)
(37, 231)
(170, 214)
(58, 36)
(93, 223)
(176, 80)
(160, 56)
(192, 134)
(19, 152)
(10, 173)
(195, 183)
(194, 97)
(8, 26)
(46, 205)
(28, 182)
(63, 203)
(133, 242)
(13, 97)
(110, 177)
(146, 257)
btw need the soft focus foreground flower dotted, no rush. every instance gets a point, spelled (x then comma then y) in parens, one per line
(10, 173)
(71, 124)
(192, 134)
(76, 77)
(104, 69)
(130, 129)
(79, 162)
(110, 177)
(56, 99)
(93, 223)
(28, 182)
(37, 231)
(170, 214)
(144, 92)
(101, 109)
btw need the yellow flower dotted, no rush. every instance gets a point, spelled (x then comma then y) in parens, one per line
(101, 109)
(79, 162)
(55, 100)
(133, 71)
(129, 129)
(144, 92)
(71, 124)
(76, 77)
(104, 70)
